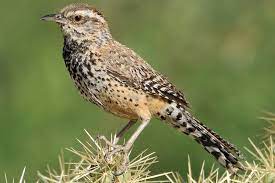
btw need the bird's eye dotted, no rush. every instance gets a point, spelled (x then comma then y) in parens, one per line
(77, 18)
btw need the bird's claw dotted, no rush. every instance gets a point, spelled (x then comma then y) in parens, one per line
(113, 150)
(108, 142)
(125, 159)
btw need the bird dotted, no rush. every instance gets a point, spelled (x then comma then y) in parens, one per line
(119, 81)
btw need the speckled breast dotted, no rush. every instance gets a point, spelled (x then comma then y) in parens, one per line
(84, 71)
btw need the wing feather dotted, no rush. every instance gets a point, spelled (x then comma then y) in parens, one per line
(131, 69)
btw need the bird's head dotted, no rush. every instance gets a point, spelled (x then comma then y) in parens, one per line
(79, 20)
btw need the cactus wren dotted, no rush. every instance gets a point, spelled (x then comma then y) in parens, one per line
(119, 81)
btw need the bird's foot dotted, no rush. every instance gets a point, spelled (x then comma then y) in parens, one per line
(116, 152)
(112, 144)
(123, 153)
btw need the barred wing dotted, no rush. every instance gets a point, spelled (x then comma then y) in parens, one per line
(131, 69)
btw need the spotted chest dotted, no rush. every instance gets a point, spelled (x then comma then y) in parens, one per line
(91, 78)
(86, 71)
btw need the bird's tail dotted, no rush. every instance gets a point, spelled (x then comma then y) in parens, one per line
(225, 152)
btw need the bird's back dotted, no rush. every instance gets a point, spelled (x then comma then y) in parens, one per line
(127, 66)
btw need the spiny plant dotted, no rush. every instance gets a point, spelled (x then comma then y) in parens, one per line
(262, 169)
(21, 180)
(269, 130)
(91, 166)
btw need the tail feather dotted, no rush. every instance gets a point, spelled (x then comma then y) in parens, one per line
(225, 152)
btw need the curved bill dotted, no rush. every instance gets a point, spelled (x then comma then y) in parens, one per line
(53, 18)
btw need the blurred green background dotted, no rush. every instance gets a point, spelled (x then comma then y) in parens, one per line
(220, 52)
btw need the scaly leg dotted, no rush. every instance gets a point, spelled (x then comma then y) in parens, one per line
(124, 130)
(133, 138)
(119, 135)
(126, 148)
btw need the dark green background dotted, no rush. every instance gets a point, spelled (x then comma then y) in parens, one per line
(220, 52)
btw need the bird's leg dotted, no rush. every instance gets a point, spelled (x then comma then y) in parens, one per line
(135, 135)
(126, 148)
(119, 135)
(124, 130)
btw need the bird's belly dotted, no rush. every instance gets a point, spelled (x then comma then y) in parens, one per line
(107, 97)
(118, 99)
(89, 90)
(114, 96)
(124, 101)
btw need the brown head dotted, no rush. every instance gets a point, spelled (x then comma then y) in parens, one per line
(79, 21)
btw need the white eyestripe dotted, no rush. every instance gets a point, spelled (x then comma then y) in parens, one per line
(87, 13)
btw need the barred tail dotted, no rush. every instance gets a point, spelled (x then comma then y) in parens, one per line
(225, 152)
